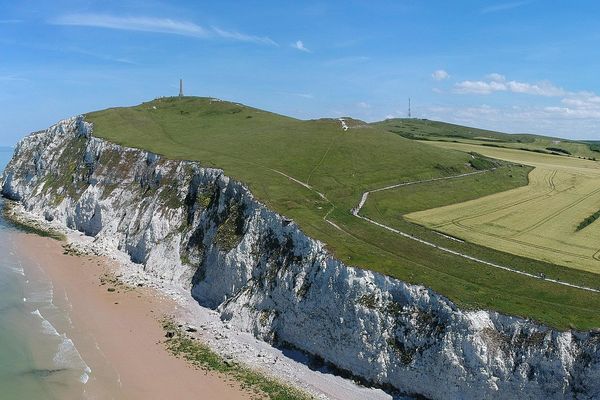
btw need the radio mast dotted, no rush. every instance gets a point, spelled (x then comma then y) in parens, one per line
(409, 116)
(181, 88)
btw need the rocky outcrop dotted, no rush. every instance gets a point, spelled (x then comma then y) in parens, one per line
(195, 226)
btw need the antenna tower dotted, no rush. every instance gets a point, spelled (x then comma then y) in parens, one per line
(409, 115)
(181, 88)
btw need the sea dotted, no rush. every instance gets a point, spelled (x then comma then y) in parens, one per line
(37, 358)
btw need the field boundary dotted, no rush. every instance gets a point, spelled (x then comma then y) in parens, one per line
(355, 211)
(365, 195)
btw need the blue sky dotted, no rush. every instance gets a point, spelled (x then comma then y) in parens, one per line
(515, 66)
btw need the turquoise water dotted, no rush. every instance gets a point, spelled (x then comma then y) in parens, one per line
(36, 361)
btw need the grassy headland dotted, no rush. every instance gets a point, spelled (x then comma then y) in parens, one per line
(252, 145)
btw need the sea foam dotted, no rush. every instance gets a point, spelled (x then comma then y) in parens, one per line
(67, 356)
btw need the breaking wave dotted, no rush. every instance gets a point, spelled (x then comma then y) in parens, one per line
(67, 356)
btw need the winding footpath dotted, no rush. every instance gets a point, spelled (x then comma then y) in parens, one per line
(321, 195)
(365, 195)
(363, 200)
(356, 212)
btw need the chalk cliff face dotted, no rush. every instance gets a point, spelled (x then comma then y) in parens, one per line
(195, 226)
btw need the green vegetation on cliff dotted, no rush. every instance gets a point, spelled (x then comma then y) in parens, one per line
(184, 345)
(265, 150)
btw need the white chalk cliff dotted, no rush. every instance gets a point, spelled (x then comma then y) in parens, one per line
(195, 226)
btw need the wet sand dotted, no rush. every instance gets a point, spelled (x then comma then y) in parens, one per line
(118, 333)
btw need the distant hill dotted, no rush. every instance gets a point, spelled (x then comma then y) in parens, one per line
(414, 128)
(423, 129)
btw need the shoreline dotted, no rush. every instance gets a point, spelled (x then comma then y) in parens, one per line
(117, 330)
(289, 368)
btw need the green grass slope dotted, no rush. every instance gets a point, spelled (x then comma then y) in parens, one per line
(422, 129)
(256, 147)
(390, 204)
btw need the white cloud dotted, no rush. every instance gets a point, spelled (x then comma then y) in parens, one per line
(576, 116)
(363, 104)
(563, 113)
(440, 75)
(497, 83)
(539, 89)
(156, 25)
(300, 46)
(496, 77)
(580, 105)
(583, 100)
(479, 87)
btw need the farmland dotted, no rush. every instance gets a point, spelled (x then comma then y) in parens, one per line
(540, 220)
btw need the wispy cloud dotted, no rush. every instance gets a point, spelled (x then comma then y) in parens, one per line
(300, 46)
(504, 6)
(143, 24)
(303, 95)
(12, 78)
(10, 21)
(498, 83)
(156, 25)
(440, 75)
(242, 37)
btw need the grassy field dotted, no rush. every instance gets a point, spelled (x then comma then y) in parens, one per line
(540, 220)
(252, 145)
(395, 203)
(421, 129)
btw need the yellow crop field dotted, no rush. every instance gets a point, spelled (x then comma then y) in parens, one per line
(538, 220)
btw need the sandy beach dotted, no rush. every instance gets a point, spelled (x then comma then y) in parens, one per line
(124, 343)
(117, 330)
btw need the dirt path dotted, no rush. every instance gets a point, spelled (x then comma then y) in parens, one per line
(321, 195)
(355, 211)
(365, 195)
(363, 200)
